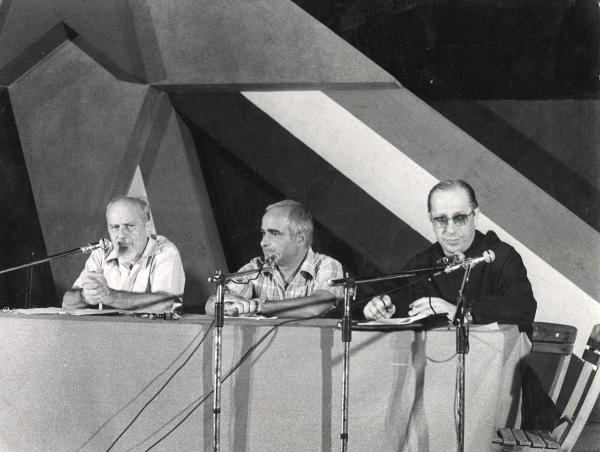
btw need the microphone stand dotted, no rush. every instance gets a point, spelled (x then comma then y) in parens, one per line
(84, 249)
(461, 321)
(350, 291)
(219, 279)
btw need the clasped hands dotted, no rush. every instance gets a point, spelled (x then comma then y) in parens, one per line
(95, 290)
(236, 306)
(381, 307)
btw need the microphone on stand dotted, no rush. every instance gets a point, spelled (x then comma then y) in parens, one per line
(488, 257)
(269, 263)
(456, 258)
(102, 243)
(266, 264)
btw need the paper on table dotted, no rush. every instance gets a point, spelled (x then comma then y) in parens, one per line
(397, 320)
(54, 311)
(253, 317)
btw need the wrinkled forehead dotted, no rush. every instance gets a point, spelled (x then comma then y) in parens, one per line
(124, 211)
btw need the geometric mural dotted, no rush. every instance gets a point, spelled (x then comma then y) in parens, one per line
(161, 94)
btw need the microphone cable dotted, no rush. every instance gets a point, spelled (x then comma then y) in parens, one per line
(200, 400)
(236, 366)
(181, 366)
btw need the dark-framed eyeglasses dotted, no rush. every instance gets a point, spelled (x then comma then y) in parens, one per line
(459, 220)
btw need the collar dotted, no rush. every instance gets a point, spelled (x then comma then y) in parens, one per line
(307, 266)
(150, 249)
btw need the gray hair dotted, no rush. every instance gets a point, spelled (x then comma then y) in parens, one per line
(143, 204)
(452, 184)
(300, 219)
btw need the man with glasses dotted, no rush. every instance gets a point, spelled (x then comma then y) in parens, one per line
(497, 292)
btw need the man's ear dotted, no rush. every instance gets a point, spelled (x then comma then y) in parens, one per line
(476, 213)
(301, 239)
(148, 226)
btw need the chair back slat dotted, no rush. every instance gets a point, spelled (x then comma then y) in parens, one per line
(580, 400)
(552, 342)
(584, 397)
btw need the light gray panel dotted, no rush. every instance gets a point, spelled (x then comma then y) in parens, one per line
(181, 207)
(75, 122)
(253, 42)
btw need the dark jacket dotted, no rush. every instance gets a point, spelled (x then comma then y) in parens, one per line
(496, 292)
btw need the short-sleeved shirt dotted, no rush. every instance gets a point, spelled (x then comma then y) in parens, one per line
(314, 274)
(159, 269)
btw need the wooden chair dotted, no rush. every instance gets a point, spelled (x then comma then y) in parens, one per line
(580, 400)
(552, 347)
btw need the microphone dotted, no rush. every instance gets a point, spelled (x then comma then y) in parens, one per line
(102, 243)
(456, 258)
(269, 262)
(487, 257)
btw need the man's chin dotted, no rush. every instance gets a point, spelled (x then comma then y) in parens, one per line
(453, 248)
(125, 253)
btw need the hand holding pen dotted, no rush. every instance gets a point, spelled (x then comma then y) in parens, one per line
(379, 307)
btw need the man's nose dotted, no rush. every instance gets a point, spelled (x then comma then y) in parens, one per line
(451, 226)
(264, 242)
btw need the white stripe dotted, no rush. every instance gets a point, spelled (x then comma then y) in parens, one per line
(400, 185)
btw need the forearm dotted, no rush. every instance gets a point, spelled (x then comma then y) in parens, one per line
(145, 302)
(314, 305)
(209, 307)
(72, 300)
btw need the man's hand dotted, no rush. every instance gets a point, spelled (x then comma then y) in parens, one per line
(234, 305)
(95, 289)
(436, 306)
(378, 307)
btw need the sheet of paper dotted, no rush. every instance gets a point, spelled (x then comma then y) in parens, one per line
(61, 311)
(397, 320)
(252, 317)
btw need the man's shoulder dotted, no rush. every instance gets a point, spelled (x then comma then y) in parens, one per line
(322, 260)
(492, 242)
(165, 247)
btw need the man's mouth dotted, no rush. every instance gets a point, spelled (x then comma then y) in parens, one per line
(123, 247)
(270, 256)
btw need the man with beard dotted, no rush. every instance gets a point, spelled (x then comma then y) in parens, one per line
(297, 285)
(139, 271)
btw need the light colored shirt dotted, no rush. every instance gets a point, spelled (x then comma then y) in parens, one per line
(159, 269)
(314, 274)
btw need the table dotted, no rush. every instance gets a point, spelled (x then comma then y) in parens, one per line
(74, 383)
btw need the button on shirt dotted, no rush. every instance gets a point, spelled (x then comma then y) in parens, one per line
(159, 269)
(314, 274)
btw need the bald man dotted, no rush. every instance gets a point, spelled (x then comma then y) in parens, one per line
(138, 272)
